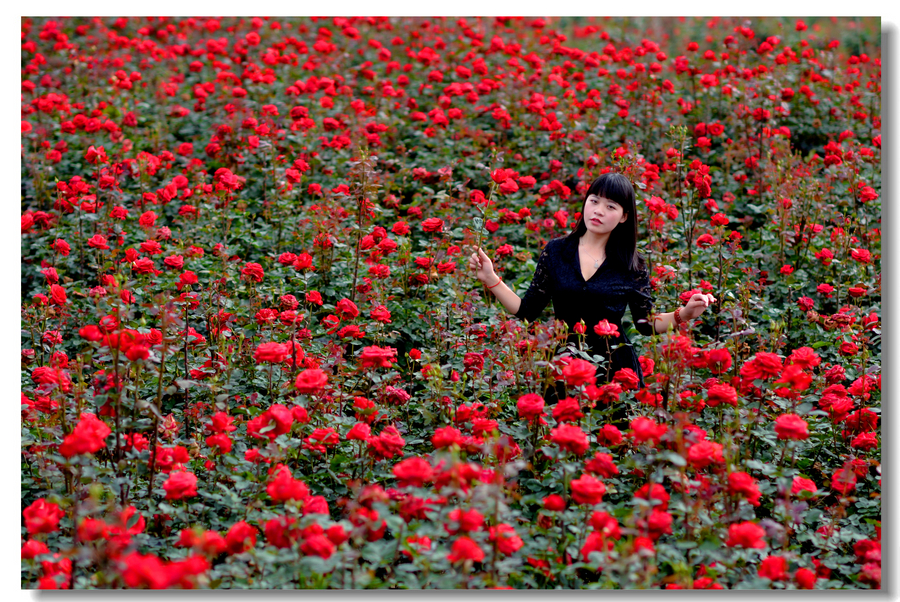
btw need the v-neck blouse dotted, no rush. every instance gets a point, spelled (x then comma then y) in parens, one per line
(604, 296)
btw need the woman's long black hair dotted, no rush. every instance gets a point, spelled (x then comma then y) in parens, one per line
(621, 248)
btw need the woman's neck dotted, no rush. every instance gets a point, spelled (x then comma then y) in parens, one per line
(595, 242)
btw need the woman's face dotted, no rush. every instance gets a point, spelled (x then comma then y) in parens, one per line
(601, 215)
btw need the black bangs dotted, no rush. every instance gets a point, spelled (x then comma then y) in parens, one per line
(615, 187)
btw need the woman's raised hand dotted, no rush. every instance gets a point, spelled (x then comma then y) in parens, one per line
(483, 267)
(696, 305)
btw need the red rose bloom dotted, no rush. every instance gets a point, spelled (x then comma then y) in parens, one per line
(609, 435)
(377, 357)
(844, 479)
(433, 224)
(773, 568)
(464, 549)
(719, 394)
(311, 381)
(414, 472)
(180, 484)
(743, 485)
(42, 517)
(805, 579)
(718, 360)
(530, 406)
(240, 538)
(644, 429)
(578, 372)
(746, 535)
(704, 453)
(605, 329)
(603, 465)
(284, 486)
(570, 438)
(587, 490)
(272, 353)
(791, 426)
(800, 485)
(764, 365)
(252, 272)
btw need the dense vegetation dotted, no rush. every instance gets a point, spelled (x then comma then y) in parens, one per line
(253, 356)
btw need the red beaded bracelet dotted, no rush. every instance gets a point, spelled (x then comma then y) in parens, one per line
(498, 284)
(678, 320)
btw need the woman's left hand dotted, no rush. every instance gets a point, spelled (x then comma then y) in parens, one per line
(696, 305)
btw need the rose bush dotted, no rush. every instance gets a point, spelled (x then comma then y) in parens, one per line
(252, 358)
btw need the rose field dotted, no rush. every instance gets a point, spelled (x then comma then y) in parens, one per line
(254, 355)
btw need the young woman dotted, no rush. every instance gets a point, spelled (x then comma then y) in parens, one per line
(592, 275)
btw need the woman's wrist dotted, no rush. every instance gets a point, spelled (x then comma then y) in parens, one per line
(495, 283)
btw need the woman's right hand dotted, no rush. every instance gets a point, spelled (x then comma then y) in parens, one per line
(483, 267)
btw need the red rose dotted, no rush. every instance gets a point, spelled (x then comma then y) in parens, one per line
(508, 541)
(414, 472)
(742, 484)
(804, 357)
(644, 429)
(57, 294)
(605, 329)
(240, 538)
(719, 394)
(445, 437)
(281, 531)
(42, 517)
(567, 410)
(587, 490)
(718, 360)
(865, 441)
(252, 272)
(433, 224)
(763, 365)
(848, 349)
(746, 535)
(88, 436)
(465, 549)
(800, 485)
(861, 255)
(346, 309)
(773, 568)
(704, 453)
(609, 435)
(627, 379)
(530, 406)
(180, 484)
(311, 381)
(272, 353)
(791, 426)
(603, 465)
(844, 479)
(509, 186)
(805, 579)
(578, 372)
(284, 486)
(570, 438)
(377, 357)
(317, 545)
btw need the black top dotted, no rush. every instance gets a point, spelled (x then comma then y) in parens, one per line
(604, 295)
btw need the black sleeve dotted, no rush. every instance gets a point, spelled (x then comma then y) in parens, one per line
(641, 303)
(538, 294)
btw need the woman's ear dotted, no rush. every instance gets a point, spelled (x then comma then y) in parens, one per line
(624, 218)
